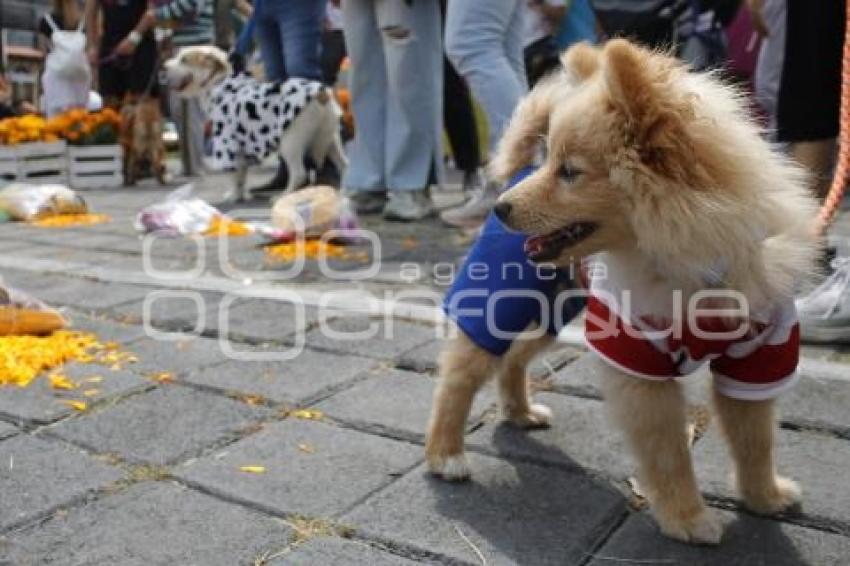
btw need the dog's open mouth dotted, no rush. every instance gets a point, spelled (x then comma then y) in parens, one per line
(547, 247)
(184, 83)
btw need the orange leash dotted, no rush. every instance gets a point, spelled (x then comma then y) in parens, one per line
(832, 203)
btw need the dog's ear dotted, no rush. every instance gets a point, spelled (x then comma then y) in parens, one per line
(216, 62)
(581, 61)
(655, 113)
(530, 121)
(631, 82)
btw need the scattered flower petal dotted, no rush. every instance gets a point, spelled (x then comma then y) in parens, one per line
(61, 381)
(76, 405)
(308, 414)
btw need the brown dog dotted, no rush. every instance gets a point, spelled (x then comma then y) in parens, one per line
(141, 138)
(660, 176)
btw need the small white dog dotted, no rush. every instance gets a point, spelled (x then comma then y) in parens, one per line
(253, 119)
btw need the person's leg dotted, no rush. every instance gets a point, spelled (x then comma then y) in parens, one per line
(177, 105)
(477, 38)
(514, 45)
(300, 24)
(368, 84)
(197, 123)
(484, 42)
(333, 52)
(268, 37)
(271, 45)
(459, 120)
(411, 39)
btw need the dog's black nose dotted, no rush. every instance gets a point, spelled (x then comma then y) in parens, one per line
(502, 210)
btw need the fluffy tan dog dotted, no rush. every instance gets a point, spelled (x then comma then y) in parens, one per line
(661, 176)
(141, 138)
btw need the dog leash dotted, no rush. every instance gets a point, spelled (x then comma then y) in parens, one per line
(832, 203)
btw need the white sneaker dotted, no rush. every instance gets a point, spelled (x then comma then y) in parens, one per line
(825, 312)
(407, 206)
(474, 211)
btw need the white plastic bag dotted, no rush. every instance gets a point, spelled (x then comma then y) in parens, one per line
(67, 57)
(22, 201)
(179, 214)
(312, 212)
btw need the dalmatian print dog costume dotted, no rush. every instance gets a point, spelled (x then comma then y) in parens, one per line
(252, 120)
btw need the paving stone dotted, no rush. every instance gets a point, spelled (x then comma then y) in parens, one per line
(579, 377)
(580, 436)
(38, 403)
(162, 426)
(820, 403)
(373, 338)
(343, 467)
(7, 430)
(747, 541)
(86, 293)
(159, 523)
(162, 268)
(267, 320)
(38, 475)
(394, 402)
(423, 358)
(815, 460)
(293, 381)
(105, 329)
(176, 356)
(514, 513)
(327, 550)
(173, 310)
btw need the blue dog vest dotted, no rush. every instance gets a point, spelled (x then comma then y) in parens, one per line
(499, 291)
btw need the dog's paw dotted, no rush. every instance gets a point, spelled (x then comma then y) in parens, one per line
(538, 416)
(784, 494)
(450, 468)
(703, 528)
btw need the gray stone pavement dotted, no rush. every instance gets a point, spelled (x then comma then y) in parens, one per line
(153, 471)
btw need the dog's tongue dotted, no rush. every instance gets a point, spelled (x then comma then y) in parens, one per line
(534, 245)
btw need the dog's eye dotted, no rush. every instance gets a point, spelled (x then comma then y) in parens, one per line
(568, 174)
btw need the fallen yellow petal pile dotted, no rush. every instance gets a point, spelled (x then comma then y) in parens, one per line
(308, 249)
(63, 220)
(23, 358)
(224, 226)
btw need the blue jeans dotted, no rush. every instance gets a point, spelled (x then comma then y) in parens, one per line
(396, 86)
(290, 36)
(484, 41)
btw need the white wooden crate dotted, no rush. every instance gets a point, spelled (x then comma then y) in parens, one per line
(42, 162)
(95, 166)
(8, 164)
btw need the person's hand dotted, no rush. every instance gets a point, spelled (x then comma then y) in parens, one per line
(125, 48)
(756, 8)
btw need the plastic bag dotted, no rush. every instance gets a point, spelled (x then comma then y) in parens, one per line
(312, 211)
(179, 214)
(21, 314)
(22, 201)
